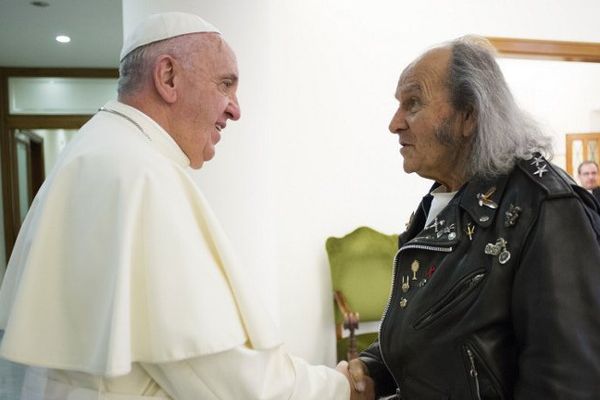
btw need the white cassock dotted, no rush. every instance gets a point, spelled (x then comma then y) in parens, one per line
(121, 282)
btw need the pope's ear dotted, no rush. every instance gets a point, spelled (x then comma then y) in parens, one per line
(163, 77)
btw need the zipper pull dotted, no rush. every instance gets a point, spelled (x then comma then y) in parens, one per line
(473, 372)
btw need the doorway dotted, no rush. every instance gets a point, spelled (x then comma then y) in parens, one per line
(37, 151)
(34, 130)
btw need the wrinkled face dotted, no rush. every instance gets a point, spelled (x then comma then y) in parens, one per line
(207, 99)
(588, 176)
(425, 121)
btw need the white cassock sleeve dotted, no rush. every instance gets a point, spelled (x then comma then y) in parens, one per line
(244, 373)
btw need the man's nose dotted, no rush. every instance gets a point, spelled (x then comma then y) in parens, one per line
(398, 122)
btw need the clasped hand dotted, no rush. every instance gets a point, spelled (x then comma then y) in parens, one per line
(361, 385)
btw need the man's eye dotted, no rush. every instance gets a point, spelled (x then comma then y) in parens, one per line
(412, 104)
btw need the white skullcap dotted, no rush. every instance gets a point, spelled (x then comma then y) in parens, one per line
(164, 26)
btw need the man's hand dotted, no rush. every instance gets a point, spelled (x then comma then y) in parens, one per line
(361, 385)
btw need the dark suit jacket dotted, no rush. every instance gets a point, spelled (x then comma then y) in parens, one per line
(596, 193)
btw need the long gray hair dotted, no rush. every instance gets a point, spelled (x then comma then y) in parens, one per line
(504, 133)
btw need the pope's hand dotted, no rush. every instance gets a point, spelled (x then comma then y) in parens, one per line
(361, 385)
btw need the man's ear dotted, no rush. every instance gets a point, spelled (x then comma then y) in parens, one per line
(468, 121)
(163, 76)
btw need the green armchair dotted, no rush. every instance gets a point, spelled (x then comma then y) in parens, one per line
(361, 275)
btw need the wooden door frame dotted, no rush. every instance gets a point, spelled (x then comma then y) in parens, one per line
(35, 162)
(24, 138)
(569, 139)
(546, 49)
(8, 123)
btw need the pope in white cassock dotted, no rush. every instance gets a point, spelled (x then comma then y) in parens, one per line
(121, 285)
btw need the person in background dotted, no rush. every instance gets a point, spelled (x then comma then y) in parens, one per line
(122, 284)
(496, 287)
(587, 173)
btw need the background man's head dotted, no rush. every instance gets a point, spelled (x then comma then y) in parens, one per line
(457, 118)
(185, 78)
(587, 172)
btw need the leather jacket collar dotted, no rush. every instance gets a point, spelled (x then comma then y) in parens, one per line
(447, 229)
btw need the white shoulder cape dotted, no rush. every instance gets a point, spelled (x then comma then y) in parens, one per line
(120, 259)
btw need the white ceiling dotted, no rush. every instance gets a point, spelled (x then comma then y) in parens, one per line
(27, 33)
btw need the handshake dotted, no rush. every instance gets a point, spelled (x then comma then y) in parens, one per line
(361, 385)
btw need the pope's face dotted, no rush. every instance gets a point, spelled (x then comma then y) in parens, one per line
(425, 119)
(588, 176)
(208, 99)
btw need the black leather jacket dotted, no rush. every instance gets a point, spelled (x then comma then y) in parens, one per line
(502, 302)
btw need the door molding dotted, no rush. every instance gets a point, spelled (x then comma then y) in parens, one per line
(547, 49)
(8, 123)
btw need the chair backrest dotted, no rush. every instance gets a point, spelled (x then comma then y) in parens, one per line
(361, 268)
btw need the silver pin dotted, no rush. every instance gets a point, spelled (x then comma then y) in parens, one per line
(498, 249)
(436, 224)
(422, 282)
(512, 215)
(403, 302)
(541, 170)
(484, 198)
(451, 235)
(537, 161)
(447, 230)
(485, 218)
(405, 284)
(491, 249)
(504, 256)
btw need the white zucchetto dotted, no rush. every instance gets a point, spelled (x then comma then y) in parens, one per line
(164, 26)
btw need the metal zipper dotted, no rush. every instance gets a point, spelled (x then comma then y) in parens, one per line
(457, 293)
(387, 306)
(473, 372)
(425, 247)
(394, 269)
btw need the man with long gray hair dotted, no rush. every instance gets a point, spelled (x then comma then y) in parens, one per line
(496, 287)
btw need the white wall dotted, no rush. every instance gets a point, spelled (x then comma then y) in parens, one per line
(312, 157)
(235, 182)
